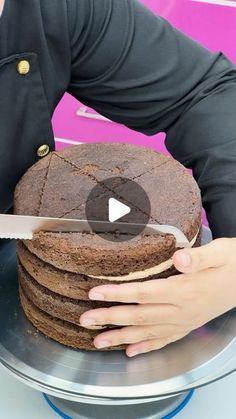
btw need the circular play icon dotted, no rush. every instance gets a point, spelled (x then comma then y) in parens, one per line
(114, 206)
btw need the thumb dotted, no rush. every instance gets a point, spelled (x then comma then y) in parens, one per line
(211, 255)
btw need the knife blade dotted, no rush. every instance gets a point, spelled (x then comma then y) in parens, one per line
(24, 227)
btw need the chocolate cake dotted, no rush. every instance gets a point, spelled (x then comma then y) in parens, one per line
(57, 270)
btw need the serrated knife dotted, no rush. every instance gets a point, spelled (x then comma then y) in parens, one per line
(24, 227)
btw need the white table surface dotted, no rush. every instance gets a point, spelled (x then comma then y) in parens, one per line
(18, 401)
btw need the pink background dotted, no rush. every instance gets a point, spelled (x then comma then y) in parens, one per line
(214, 26)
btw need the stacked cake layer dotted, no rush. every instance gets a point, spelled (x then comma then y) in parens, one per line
(57, 270)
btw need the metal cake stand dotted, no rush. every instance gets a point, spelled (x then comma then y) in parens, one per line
(88, 385)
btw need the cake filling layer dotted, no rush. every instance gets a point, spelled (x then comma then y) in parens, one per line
(155, 270)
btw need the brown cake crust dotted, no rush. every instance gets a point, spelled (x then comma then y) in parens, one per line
(82, 167)
(63, 332)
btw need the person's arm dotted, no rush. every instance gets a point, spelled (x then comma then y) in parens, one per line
(136, 69)
(204, 138)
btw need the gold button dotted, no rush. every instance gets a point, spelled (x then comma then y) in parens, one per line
(23, 67)
(43, 150)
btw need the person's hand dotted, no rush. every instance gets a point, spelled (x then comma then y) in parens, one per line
(168, 309)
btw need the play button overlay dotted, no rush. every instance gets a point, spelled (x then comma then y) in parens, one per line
(118, 200)
(117, 210)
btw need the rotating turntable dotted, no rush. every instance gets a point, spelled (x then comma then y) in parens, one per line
(83, 384)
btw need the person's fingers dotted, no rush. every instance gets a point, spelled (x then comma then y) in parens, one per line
(147, 292)
(212, 255)
(146, 314)
(135, 334)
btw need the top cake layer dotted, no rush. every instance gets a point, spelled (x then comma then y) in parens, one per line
(59, 185)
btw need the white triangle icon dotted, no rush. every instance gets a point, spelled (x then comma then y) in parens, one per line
(117, 210)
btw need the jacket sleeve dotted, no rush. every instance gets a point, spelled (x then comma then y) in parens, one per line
(136, 69)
